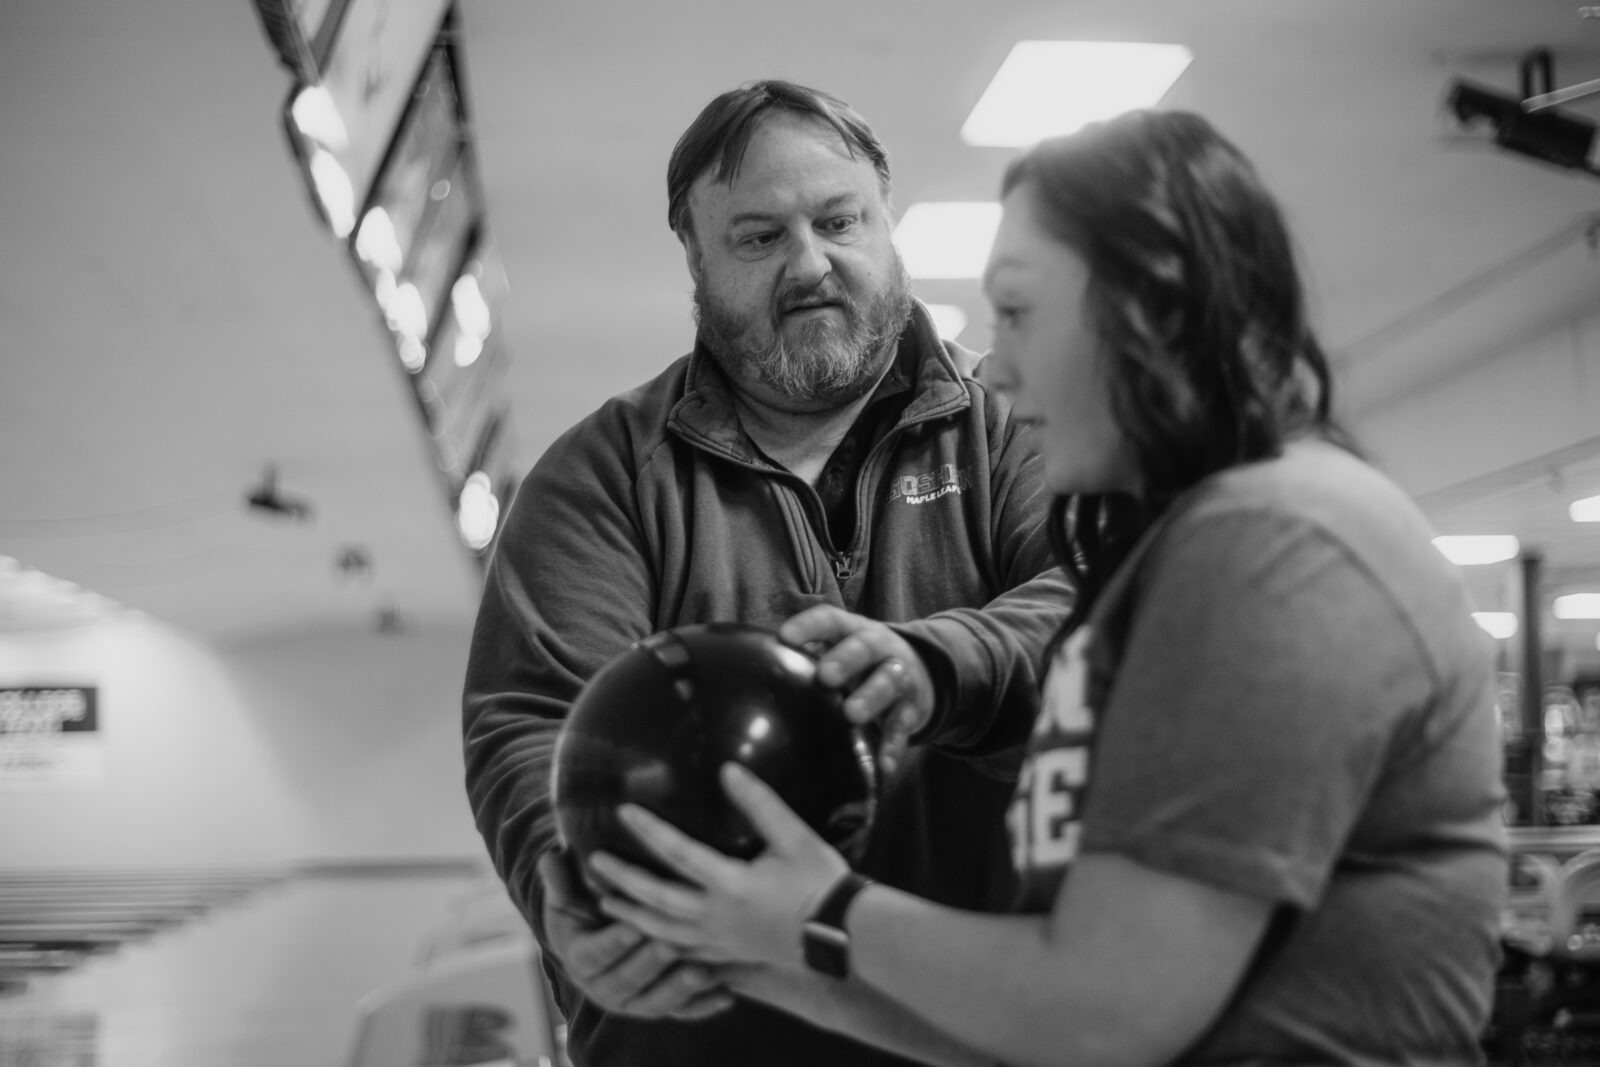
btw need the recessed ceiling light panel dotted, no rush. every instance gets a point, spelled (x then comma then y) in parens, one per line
(1578, 606)
(1585, 510)
(1500, 625)
(1046, 88)
(1476, 550)
(948, 319)
(947, 240)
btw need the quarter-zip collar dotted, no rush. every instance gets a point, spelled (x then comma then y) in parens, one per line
(706, 415)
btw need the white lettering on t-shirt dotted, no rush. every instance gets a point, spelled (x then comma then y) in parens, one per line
(1044, 817)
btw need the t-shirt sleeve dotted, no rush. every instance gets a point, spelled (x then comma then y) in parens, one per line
(1262, 679)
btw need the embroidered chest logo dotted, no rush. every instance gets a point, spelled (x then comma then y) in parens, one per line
(1045, 814)
(923, 488)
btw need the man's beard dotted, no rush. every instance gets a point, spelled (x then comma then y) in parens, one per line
(819, 365)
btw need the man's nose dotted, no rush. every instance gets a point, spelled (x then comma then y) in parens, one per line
(808, 260)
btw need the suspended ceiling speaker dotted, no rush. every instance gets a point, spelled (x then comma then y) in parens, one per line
(269, 498)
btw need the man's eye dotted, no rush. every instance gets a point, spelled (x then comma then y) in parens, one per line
(840, 224)
(759, 240)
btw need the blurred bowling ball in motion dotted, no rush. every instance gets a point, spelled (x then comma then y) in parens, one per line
(655, 724)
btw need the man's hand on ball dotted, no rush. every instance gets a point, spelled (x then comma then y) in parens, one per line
(883, 676)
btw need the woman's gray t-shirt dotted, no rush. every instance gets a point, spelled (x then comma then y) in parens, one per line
(1282, 693)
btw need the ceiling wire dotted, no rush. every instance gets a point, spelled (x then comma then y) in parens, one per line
(1509, 478)
(1581, 229)
(151, 517)
(149, 574)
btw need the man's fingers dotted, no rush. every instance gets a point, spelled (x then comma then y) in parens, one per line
(822, 623)
(625, 971)
(875, 664)
(705, 1005)
(903, 720)
(615, 964)
(896, 735)
(560, 884)
(567, 903)
(890, 681)
(849, 660)
(687, 991)
(634, 974)
(593, 954)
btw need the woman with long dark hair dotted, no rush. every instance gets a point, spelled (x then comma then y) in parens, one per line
(1258, 819)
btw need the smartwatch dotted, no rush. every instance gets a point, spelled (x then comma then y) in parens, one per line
(823, 936)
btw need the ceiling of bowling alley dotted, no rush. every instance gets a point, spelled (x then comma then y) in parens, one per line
(176, 319)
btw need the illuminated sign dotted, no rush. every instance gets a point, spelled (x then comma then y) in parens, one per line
(50, 737)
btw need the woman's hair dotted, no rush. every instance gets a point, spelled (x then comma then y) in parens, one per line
(1194, 295)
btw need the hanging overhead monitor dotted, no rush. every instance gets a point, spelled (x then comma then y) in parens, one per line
(300, 31)
(416, 172)
(444, 239)
(464, 346)
(424, 214)
(370, 66)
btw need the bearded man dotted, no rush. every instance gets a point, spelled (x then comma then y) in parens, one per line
(822, 464)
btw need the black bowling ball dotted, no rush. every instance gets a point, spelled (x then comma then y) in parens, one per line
(653, 726)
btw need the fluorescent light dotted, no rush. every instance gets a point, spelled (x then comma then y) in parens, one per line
(468, 348)
(413, 353)
(1045, 88)
(1585, 510)
(947, 240)
(317, 117)
(405, 311)
(1497, 624)
(377, 243)
(1473, 551)
(477, 511)
(948, 319)
(472, 311)
(1578, 606)
(333, 190)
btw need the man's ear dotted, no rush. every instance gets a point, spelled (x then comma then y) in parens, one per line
(691, 253)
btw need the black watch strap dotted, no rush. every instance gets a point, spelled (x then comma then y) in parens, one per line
(824, 938)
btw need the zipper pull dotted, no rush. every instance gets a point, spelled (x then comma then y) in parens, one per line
(841, 566)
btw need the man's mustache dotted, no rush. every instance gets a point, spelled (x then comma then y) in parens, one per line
(814, 296)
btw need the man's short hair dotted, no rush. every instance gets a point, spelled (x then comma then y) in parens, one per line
(722, 131)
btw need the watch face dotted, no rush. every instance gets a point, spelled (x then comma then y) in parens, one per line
(827, 948)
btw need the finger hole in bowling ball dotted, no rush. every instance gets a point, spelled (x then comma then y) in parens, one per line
(655, 724)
